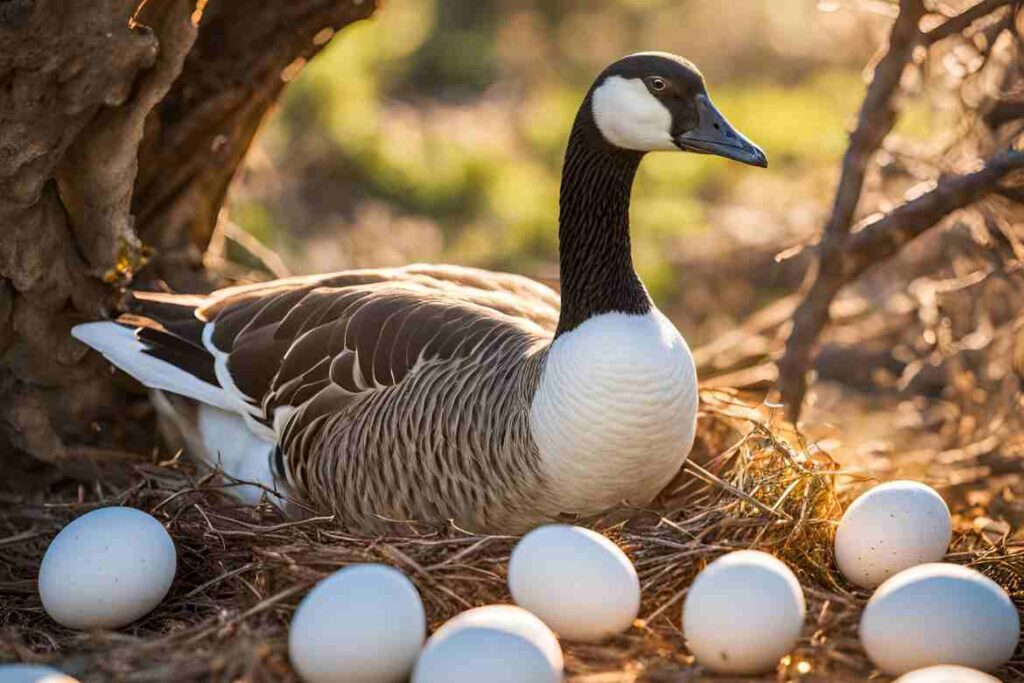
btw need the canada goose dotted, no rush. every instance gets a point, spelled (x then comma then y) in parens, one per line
(437, 393)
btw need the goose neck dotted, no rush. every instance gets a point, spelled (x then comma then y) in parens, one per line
(597, 274)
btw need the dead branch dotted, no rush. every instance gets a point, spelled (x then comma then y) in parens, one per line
(877, 117)
(962, 21)
(882, 238)
(842, 256)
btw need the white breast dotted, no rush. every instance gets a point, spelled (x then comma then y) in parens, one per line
(615, 412)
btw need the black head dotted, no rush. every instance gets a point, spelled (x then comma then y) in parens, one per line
(654, 101)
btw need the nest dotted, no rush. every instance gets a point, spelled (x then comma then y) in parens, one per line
(750, 483)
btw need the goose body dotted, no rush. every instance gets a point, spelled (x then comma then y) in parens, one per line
(443, 393)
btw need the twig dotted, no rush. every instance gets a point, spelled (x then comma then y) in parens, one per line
(397, 555)
(218, 579)
(871, 245)
(711, 478)
(23, 536)
(961, 21)
(267, 257)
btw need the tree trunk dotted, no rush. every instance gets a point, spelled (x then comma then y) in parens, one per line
(122, 123)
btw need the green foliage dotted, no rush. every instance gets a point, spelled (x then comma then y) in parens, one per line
(485, 166)
(257, 219)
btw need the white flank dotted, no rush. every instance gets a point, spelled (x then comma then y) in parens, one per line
(231, 445)
(120, 346)
(629, 116)
(615, 412)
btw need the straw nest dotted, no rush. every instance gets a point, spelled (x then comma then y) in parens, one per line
(750, 483)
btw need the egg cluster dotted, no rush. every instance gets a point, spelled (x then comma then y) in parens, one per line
(565, 580)
(927, 621)
(931, 622)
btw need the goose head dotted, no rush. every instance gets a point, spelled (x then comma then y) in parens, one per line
(655, 101)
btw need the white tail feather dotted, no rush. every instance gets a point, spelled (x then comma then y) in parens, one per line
(240, 447)
(119, 345)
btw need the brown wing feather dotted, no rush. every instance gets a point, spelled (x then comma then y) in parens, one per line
(286, 340)
(286, 337)
(504, 292)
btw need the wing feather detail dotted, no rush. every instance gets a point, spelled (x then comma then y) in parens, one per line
(295, 341)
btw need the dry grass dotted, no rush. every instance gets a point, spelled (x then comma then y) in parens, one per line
(750, 484)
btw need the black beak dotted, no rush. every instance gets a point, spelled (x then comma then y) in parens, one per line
(715, 135)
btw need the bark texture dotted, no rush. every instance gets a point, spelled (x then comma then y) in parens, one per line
(122, 123)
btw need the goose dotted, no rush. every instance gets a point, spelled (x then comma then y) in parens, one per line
(444, 394)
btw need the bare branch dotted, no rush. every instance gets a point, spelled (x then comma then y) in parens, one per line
(884, 237)
(961, 21)
(875, 120)
(873, 244)
(842, 256)
(1004, 112)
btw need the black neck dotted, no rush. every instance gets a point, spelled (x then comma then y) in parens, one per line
(593, 230)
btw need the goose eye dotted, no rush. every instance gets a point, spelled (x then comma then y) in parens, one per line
(657, 84)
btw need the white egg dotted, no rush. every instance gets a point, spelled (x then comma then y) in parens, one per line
(497, 643)
(508, 618)
(106, 569)
(363, 624)
(889, 528)
(580, 583)
(939, 614)
(32, 673)
(946, 673)
(743, 613)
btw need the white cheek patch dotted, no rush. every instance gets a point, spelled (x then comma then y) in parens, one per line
(629, 116)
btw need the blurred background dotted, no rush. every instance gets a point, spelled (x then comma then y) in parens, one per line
(435, 132)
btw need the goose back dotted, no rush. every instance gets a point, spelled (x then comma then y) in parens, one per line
(393, 394)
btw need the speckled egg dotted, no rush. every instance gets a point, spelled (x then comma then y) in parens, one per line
(889, 528)
(106, 569)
